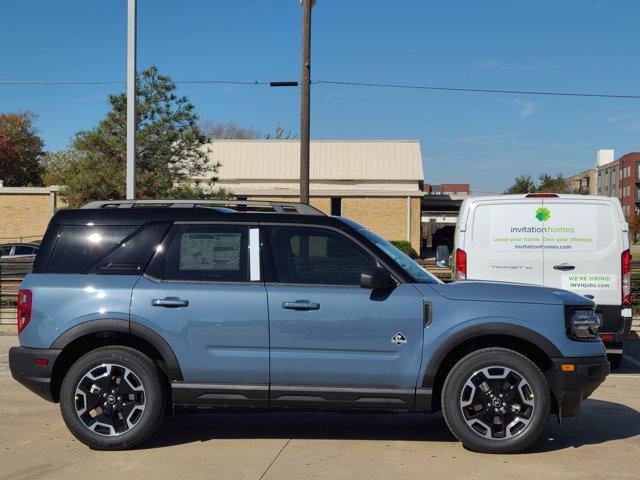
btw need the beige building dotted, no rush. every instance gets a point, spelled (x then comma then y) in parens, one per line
(25, 212)
(376, 183)
(584, 182)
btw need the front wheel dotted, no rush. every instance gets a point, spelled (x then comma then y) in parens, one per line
(496, 400)
(112, 398)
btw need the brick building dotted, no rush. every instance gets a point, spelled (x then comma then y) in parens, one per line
(629, 179)
(584, 182)
(376, 183)
(451, 189)
(25, 212)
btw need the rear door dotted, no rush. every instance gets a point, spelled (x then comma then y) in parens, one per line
(203, 294)
(503, 241)
(583, 247)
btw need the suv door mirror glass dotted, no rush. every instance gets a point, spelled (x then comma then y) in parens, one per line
(376, 278)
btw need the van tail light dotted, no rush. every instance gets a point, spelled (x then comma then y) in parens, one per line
(626, 278)
(24, 308)
(461, 264)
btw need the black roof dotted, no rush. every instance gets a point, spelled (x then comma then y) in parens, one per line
(142, 215)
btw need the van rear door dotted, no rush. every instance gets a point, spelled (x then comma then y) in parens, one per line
(503, 241)
(583, 247)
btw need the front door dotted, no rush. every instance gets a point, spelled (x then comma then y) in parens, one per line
(205, 298)
(333, 342)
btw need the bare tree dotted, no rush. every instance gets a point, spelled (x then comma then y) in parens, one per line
(228, 131)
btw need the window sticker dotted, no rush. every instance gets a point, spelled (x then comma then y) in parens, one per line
(210, 251)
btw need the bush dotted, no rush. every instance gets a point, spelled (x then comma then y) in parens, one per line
(405, 247)
(635, 293)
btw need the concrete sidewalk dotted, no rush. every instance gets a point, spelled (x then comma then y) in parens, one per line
(602, 443)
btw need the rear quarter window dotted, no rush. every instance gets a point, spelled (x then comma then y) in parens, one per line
(110, 249)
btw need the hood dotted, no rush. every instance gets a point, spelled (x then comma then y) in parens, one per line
(508, 292)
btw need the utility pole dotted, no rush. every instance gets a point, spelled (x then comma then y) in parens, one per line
(305, 101)
(131, 100)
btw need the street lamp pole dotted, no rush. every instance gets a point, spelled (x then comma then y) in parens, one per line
(305, 101)
(131, 100)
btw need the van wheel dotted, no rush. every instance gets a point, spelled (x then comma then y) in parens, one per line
(496, 400)
(112, 398)
(615, 359)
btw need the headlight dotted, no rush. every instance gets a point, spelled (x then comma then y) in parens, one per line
(583, 325)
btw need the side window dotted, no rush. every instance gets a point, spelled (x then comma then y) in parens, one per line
(79, 247)
(6, 250)
(317, 256)
(208, 253)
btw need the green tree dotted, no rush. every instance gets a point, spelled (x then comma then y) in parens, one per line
(546, 184)
(550, 184)
(280, 134)
(20, 147)
(171, 149)
(522, 184)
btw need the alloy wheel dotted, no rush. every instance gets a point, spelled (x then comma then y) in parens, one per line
(497, 403)
(110, 399)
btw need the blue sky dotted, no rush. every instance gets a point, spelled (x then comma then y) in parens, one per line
(486, 140)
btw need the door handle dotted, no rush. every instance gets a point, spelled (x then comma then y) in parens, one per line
(301, 305)
(169, 302)
(564, 267)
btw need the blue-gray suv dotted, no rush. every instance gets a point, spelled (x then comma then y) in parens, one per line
(134, 307)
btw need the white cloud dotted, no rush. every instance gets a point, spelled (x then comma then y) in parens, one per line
(527, 108)
(620, 117)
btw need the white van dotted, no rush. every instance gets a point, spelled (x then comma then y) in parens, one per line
(574, 242)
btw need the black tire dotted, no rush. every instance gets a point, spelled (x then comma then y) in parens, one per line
(615, 360)
(151, 397)
(471, 436)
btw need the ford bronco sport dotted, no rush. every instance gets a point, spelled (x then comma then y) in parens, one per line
(136, 306)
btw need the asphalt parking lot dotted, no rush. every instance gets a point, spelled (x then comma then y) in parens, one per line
(603, 442)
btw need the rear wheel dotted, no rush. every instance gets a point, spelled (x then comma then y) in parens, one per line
(112, 398)
(496, 400)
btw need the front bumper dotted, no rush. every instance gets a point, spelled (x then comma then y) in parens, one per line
(571, 387)
(36, 377)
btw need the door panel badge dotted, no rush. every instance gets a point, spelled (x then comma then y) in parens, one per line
(399, 339)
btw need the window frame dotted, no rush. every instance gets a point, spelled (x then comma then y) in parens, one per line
(269, 261)
(155, 269)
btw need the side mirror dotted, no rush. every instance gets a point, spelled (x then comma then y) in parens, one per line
(376, 278)
(442, 256)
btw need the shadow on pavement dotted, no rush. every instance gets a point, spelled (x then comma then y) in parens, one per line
(200, 427)
(599, 422)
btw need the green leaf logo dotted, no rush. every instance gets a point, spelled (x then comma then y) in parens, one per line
(543, 214)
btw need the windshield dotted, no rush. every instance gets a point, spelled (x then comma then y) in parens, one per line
(418, 273)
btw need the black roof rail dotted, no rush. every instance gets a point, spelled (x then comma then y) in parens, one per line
(261, 206)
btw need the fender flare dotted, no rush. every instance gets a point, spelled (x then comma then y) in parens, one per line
(482, 330)
(173, 370)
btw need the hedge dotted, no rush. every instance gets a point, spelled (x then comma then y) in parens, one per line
(405, 247)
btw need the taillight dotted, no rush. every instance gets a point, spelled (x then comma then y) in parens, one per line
(626, 278)
(461, 264)
(24, 309)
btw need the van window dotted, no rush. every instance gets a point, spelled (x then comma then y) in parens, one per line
(79, 247)
(317, 256)
(210, 253)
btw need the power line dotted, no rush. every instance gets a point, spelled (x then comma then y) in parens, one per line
(477, 90)
(331, 82)
(89, 83)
